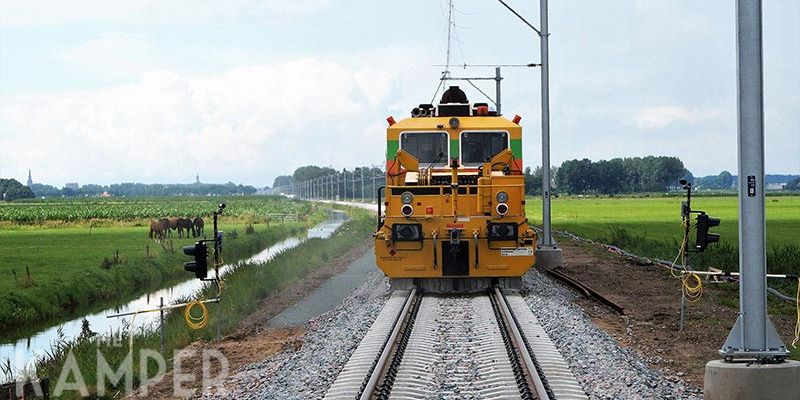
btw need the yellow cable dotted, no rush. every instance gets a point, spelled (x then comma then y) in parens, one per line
(196, 322)
(797, 323)
(692, 292)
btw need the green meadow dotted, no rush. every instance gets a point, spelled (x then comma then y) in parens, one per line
(659, 218)
(54, 270)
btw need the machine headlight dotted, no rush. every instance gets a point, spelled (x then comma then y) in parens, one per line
(502, 209)
(406, 197)
(407, 210)
(407, 232)
(502, 197)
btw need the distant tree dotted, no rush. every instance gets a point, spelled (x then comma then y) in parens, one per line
(722, 181)
(792, 185)
(618, 175)
(282, 180)
(42, 190)
(11, 189)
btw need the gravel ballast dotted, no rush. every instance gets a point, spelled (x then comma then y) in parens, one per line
(604, 370)
(602, 367)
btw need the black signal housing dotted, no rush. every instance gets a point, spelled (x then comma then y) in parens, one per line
(704, 238)
(199, 266)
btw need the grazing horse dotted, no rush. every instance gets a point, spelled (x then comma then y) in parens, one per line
(185, 223)
(158, 229)
(198, 226)
(173, 224)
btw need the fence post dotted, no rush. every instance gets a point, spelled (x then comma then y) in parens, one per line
(161, 324)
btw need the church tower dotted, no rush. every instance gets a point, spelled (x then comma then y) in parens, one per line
(30, 181)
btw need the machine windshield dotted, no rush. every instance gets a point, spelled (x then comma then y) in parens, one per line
(479, 147)
(427, 147)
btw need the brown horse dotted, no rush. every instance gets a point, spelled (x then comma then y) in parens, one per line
(198, 227)
(173, 224)
(185, 223)
(158, 229)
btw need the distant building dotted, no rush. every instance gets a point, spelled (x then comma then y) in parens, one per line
(775, 186)
(197, 179)
(72, 185)
(30, 180)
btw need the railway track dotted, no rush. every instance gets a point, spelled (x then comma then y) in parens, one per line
(487, 346)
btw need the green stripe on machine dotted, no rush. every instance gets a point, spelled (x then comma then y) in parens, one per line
(453, 148)
(516, 148)
(391, 149)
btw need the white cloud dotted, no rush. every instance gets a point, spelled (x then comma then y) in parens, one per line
(49, 12)
(654, 117)
(114, 54)
(248, 124)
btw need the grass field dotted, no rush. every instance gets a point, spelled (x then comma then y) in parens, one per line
(48, 273)
(105, 211)
(659, 218)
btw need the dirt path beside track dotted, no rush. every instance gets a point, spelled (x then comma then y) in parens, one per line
(651, 300)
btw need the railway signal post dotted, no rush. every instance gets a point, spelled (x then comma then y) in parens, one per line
(754, 365)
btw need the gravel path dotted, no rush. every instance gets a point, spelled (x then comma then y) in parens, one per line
(605, 370)
(308, 372)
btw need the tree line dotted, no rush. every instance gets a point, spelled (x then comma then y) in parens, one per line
(12, 189)
(618, 175)
(632, 175)
(142, 190)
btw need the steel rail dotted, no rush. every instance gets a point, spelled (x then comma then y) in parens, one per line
(389, 355)
(517, 341)
(558, 273)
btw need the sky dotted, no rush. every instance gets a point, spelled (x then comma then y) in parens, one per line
(99, 91)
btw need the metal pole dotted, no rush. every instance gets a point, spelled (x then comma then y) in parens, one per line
(753, 335)
(547, 239)
(161, 324)
(354, 185)
(497, 79)
(373, 186)
(362, 184)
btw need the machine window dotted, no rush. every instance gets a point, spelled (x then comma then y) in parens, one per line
(479, 147)
(427, 147)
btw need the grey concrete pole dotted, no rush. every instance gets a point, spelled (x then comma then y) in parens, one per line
(362, 184)
(543, 37)
(497, 79)
(753, 334)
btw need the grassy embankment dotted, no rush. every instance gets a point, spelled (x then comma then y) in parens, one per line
(50, 274)
(651, 227)
(244, 290)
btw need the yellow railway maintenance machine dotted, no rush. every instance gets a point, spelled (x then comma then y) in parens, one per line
(454, 216)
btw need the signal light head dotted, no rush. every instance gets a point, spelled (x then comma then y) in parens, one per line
(704, 238)
(200, 264)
